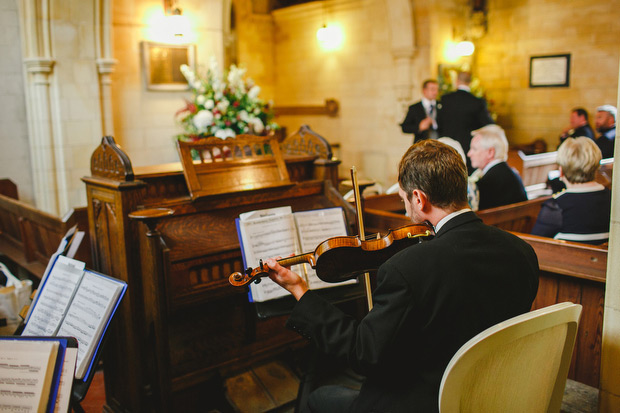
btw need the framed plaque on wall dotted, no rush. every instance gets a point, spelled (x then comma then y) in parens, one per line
(550, 71)
(162, 65)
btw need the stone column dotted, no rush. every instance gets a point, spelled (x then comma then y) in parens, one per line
(41, 138)
(400, 19)
(105, 63)
(105, 67)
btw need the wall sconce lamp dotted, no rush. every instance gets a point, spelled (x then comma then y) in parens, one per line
(464, 48)
(330, 37)
(176, 23)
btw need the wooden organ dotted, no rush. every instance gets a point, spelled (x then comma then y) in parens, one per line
(182, 326)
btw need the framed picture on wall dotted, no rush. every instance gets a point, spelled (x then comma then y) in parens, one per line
(162, 65)
(550, 71)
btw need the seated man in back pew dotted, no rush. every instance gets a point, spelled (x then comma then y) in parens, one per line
(494, 182)
(581, 212)
(430, 298)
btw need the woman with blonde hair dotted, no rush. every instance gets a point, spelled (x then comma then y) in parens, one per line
(579, 213)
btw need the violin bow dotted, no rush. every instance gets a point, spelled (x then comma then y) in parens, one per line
(360, 229)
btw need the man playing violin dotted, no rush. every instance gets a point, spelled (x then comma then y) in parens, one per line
(430, 298)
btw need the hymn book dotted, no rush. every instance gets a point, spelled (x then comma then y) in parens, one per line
(36, 373)
(75, 302)
(280, 232)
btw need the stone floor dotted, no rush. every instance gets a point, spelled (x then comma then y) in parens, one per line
(578, 398)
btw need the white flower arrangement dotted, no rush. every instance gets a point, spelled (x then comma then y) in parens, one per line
(223, 108)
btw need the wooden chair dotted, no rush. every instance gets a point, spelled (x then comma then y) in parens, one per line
(519, 365)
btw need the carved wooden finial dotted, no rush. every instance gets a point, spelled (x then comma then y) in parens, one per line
(307, 142)
(109, 161)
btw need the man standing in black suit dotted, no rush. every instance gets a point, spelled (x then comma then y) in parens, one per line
(421, 119)
(430, 298)
(461, 112)
(497, 183)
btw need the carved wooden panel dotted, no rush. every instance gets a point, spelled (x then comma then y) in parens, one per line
(162, 188)
(307, 142)
(109, 161)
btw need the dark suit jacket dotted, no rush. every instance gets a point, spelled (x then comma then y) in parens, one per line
(460, 113)
(430, 299)
(500, 186)
(415, 115)
(585, 130)
(606, 141)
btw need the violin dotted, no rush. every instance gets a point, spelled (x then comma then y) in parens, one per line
(343, 258)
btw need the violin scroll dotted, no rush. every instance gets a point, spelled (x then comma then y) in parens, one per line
(238, 279)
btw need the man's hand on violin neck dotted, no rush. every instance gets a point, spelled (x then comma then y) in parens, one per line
(286, 278)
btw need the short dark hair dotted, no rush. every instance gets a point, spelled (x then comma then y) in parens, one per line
(427, 82)
(581, 112)
(464, 77)
(437, 170)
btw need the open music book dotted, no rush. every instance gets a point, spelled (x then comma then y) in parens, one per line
(281, 232)
(36, 373)
(77, 302)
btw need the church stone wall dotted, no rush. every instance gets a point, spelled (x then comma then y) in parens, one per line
(14, 153)
(587, 30)
(360, 76)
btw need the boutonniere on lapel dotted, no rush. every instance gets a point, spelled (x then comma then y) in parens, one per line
(438, 106)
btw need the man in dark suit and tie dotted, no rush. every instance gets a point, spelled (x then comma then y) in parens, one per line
(461, 112)
(497, 183)
(430, 297)
(579, 126)
(421, 119)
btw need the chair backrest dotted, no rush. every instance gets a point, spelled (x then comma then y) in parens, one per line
(519, 365)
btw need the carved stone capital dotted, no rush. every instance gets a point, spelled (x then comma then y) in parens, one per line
(39, 65)
(106, 66)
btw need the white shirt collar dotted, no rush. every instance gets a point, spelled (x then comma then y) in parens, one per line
(464, 87)
(448, 217)
(427, 103)
(490, 165)
(584, 189)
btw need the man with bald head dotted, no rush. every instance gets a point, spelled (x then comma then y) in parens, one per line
(605, 122)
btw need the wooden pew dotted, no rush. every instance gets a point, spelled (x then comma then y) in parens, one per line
(8, 188)
(605, 174)
(575, 272)
(382, 212)
(535, 168)
(28, 236)
(514, 217)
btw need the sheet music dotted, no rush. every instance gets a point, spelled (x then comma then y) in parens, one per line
(54, 298)
(268, 237)
(263, 213)
(66, 239)
(87, 314)
(26, 373)
(314, 227)
(66, 381)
